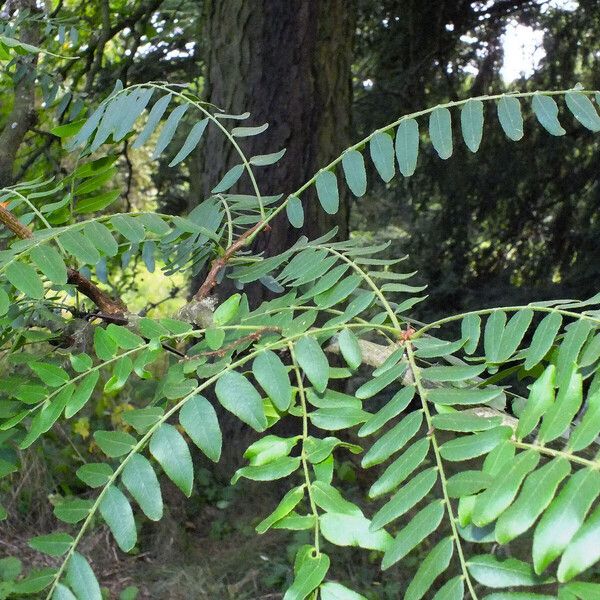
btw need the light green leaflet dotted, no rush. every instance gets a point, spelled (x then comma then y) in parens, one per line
(382, 153)
(239, 397)
(434, 564)
(405, 498)
(542, 340)
(81, 578)
(500, 494)
(327, 191)
(583, 110)
(353, 164)
(546, 111)
(471, 120)
(420, 527)
(141, 482)
(510, 117)
(313, 362)
(583, 551)
(172, 453)
(116, 511)
(407, 146)
(393, 440)
(440, 132)
(564, 517)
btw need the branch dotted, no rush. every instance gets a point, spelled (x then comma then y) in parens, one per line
(219, 263)
(108, 306)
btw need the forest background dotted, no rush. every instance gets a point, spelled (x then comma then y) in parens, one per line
(520, 222)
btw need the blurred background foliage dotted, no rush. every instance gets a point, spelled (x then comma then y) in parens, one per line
(517, 222)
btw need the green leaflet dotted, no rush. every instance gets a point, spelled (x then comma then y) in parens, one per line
(62, 592)
(452, 590)
(264, 160)
(116, 511)
(269, 448)
(467, 483)
(50, 263)
(327, 191)
(81, 394)
(583, 550)
(241, 132)
(546, 111)
(312, 361)
(542, 340)
(466, 396)
(510, 117)
(400, 469)
(54, 544)
(375, 385)
(353, 164)
(80, 247)
(330, 500)
(25, 278)
(273, 377)
(423, 524)
(154, 117)
(238, 396)
(500, 494)
(471, 331)
(559, 416)
(434, 564)
(381, 148)
(492, 572)
(405, 498)
(81, 578)
(309, 575)
(141, 419)
(589, 427)
(295, 212)
(199, 419)
(564, 517)
(172, 453)
(284, 508)
(168, 130)
(190, 143)
(114, 443)
(471, 120)
(453, 373)
(335, 591)
(583, 110)
(141, 482)
(477, 444)
(394, 407)
(229, 179)
(100, 235)
(541, 397)
(72, 511)
(569, 350)
(276, 469)
(94, 474)
(407, 146)
(440, 132)
(464, 421)
(227, 311)
(393, 440)
(350, 348)
(352, 530)
(492, 340)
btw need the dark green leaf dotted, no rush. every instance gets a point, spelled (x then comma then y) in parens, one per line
(172, 453)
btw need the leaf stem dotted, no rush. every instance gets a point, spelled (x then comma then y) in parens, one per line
(440, 465)
(303, 455)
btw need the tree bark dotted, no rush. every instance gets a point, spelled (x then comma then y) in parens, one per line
(287, 62)
(22, 116)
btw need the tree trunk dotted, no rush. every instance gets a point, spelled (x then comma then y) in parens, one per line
(22, 115)
(287, 62)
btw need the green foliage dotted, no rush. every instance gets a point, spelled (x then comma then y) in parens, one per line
(461, 459)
